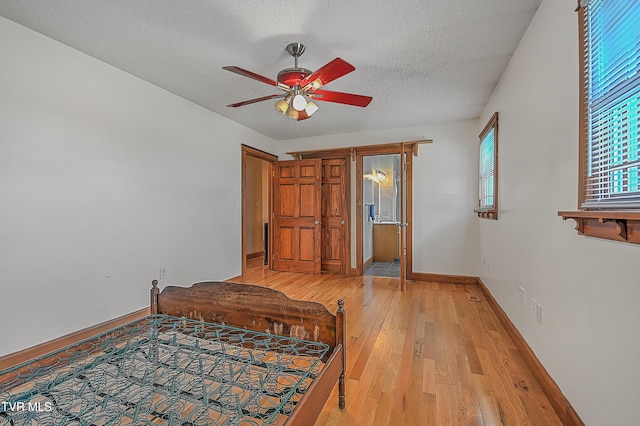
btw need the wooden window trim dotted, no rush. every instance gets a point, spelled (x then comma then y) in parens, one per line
(492, 212)
(617, 225)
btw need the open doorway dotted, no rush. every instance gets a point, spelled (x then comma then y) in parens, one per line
(257, 209)
(396, 214)
(257, 172)
(381, 188)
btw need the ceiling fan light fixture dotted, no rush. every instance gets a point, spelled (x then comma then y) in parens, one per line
(310, 108)
(293, 114)
(313, 85)
(302, 115)
(283, 105)
(299, 102)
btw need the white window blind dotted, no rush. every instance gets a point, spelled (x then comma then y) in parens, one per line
(487, 168)
(612, 36)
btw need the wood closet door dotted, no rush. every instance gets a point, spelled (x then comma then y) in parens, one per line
(297, 218)
(335, 217)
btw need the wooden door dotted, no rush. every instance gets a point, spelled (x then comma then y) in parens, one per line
(335, 216)
(297, 218)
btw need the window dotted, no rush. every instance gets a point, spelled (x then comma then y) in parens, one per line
(611, 137)
(609, 191)
(488, 177)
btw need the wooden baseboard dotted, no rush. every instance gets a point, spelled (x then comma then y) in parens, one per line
(559, 402)
(368, 262)
(16, 358)
(254, 255)
(443, 278)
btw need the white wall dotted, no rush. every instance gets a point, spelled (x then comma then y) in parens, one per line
(589, 288)
(104, 179)
(445, 229)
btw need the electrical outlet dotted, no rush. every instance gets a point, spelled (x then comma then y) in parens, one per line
(539, 313)
(163, 273)
(523, 296)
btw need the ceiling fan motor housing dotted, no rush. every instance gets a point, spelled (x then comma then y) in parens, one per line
(292, 76)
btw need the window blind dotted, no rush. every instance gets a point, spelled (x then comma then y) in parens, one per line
(612, 50)
(487, 167)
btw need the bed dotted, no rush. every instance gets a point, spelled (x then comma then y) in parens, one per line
(217, 353)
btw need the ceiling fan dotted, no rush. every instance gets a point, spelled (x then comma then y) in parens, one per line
(301, 86)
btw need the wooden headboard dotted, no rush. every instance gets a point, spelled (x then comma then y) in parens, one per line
(252, 307)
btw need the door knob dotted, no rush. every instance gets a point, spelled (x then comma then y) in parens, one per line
(342, 222)
(317, 222)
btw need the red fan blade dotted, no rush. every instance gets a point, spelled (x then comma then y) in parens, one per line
(340, 97)
(253, 101)
(334, 69)
(255, 76)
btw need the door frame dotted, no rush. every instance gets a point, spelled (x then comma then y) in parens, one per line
(368, 151)
(271, 159)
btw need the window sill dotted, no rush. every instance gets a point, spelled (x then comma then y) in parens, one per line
(617, 225)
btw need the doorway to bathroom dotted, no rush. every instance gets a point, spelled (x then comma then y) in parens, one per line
(383, 206)
(381, 188)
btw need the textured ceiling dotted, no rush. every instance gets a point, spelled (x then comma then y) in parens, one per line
(421, 60)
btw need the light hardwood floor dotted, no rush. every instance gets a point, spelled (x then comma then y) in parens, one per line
(427, 356)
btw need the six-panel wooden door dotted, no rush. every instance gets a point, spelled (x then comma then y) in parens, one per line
(297, 216)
